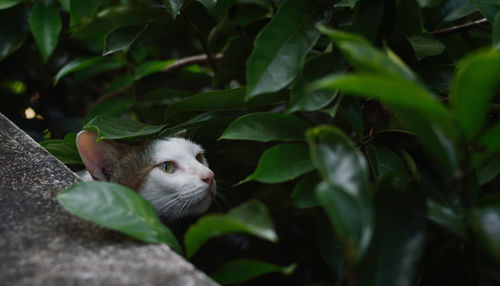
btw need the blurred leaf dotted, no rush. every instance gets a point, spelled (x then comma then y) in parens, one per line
(117, 207)
(151, 67)
(303, 100)
(80, 9)
(173, 7)
(446, 218)
(489, 8)
(496, 32)
(92, 64)
(113, 107)
(426, 47)
(228, 99)
(398, 241)
(242, 270)
(65, 150)
(13, 30)
(282, 163)
(266, 126)
(344, 191)
(409, 17)
(5, 4)
(489, 172)
(346, 3)
(332, 250)
(121, 38)
(45, 25)
(365, 58)
(485, 221)
(368, 18)
(384, 162)
(453, 10)
(489, 142)
(280, 48)
(303, 194)
(118, 128)
(119, 84)
(251, 218)
(478, 76)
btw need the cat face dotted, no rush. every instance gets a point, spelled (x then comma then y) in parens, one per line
(171, 173)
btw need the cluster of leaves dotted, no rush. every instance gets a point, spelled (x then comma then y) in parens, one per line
(365, 129)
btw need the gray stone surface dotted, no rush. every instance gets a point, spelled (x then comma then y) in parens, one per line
(42, 244)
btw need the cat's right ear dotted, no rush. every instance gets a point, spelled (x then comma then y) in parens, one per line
(99, 157)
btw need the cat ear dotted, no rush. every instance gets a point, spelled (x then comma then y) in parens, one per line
(99, 157)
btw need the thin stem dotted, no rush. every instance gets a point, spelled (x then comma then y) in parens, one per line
(459, 28)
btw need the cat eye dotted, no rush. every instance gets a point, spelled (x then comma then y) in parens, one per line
(199, 157)
(167, 167)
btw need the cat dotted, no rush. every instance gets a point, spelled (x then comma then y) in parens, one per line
(171, 173)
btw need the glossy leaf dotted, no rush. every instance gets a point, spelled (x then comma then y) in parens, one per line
(426, 47)
(454, 10)
(65, 150)
(242, 270)
(496, 32)
(489, 8)
(281, 47)
(117, 207)
(13, 30)
(346, 3)
(303, 100)
(473, 88)
(343, 193)
(228, 99)
(80, 9)
(446, 217)
(118, 128)
(5, 4)
(81, 64)
(173, 7)
(46, 25)
(398, 240)
(384, 162)
(113, 107)
(489, 172)
(251, 218)
(266, 126)
(485, 220)
(121, 38)
(151, 67)
(282, 163)
(303, 194)
(368, 18)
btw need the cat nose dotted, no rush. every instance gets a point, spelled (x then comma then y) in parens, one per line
(208, 177)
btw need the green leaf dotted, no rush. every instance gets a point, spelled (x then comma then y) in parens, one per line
(5, 4)
(281, 47)
(81, 64)
(121, 38)
(368, 18)
(489, 172)
(266, 126)
(45, 24)
(485, 221)
(446, 218)
(364, 57)
(80, 9)
(151, 67)
(454, 10)
(173, 7)
(219, 100)
(426, 47)
(242, 270)
(303, 100)
(496, 32)
(489, 8)
(117, 207)
(384, 162)
(113, 107)
(282, 163)
(409, 17)
(344, 191)
(474, 84)
(346, 3)
(251, 218)
(65, 150)
(398, 240)
(303, 194)
(118, 128)
(489, 142)
(13, 30)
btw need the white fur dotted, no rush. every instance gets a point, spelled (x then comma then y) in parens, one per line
(183, 192)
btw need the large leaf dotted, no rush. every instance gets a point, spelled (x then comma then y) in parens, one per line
(117, 207)
(282, 45)
(472, 89)
(81, 64)
(65, 150)
(446, 217)
(46, 25)
(219, 100)
(303, 194)
(489, 172)
(368, 18)
(173, 7)
(113, 107)
(398, 239)
(242, 270)
(266, 126)
(384, 162)
(426, 47)
(282, 163)
(250, 218)
(485, 221)
(5, 4)
(13, 30)
(80, 9)
(121, 38)
(151, 67)
(343, 193)
(118, 128)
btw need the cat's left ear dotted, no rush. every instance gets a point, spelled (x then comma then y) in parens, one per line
(100, 157)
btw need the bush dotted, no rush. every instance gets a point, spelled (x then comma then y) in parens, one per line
(356, 141)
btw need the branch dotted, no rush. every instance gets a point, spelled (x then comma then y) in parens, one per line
(459, 28)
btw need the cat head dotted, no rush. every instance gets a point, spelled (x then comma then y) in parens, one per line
(171, 173)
